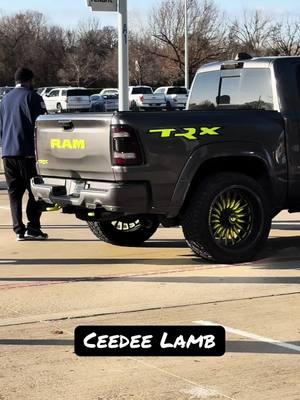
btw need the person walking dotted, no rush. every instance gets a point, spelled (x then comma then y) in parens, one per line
(18, 112)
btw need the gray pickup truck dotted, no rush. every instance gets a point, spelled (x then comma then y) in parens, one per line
(221, 170)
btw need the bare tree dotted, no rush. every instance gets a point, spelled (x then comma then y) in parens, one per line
(252, 34)
(87, 49)
(285, 37)
(206, 33)
(25, 39)
(144, 68)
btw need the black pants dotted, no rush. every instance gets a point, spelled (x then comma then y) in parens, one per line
(18, 172)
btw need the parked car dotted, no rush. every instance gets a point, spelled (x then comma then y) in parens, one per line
(175, 96)
(4, 90)
(111, 102)
(105, 103)
(67, 99)
(143, 98)
(222, 171)
(97, 103)
(109, 91)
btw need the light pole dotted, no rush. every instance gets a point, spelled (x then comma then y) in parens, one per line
(123, 57)
(186, 23)
(119, 6)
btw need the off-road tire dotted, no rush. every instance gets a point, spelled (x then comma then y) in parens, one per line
(108, 232)
(199, 221)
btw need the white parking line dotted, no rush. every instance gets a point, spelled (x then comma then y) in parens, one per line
(252, 336)
(203, 390)
(286, 223)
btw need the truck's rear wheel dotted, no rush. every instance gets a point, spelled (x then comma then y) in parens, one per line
(127, 231)
(228, 218)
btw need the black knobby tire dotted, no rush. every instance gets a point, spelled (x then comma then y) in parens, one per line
(125, 231)
(228, 218)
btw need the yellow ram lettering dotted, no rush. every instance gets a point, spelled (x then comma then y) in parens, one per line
(165, 133)
(55, 144)
(189, 133)
(68, 144)
(79, 144)
(210, 131)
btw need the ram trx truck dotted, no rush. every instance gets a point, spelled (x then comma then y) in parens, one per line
(222, 169)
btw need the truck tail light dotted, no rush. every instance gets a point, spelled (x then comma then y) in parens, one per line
(142, 99)
(125, 146)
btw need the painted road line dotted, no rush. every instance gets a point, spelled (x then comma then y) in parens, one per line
(286, 222)
(249, 335)
(203, 390)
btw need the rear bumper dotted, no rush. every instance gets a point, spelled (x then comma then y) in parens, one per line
(112, 196)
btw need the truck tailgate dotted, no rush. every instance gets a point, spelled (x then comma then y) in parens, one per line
(153, 99)
(74, 146)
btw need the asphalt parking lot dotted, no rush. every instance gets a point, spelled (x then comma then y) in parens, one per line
(49, 288)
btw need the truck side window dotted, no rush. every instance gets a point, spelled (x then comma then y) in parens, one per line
(252, 89)
(205, 91)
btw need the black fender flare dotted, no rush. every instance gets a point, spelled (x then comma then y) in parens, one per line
(216, 151)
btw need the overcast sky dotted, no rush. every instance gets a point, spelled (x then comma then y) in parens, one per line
(70, 12)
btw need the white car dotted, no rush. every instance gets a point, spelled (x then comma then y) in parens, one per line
(104, 103)
(175, 96)
(111, 102)
(67, 99)
(143, 98)
(109, 92)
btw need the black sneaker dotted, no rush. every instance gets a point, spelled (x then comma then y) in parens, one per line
(20, 237)
(35, 234)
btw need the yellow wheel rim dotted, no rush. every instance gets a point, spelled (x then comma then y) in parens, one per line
(230, 218)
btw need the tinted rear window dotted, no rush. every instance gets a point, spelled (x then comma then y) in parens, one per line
(205, 91)
(253, 89)
(177, 90)
(96, 97)
(142, 90)
(77, 92)
(240, 89)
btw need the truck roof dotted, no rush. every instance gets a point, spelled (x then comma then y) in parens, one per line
(256, 62)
